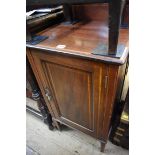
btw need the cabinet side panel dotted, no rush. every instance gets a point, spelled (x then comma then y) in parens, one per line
(110, 98)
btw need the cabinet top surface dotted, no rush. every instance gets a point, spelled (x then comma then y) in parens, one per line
(80, 39)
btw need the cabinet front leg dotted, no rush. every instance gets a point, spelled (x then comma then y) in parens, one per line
(102, 146)
(56, 124)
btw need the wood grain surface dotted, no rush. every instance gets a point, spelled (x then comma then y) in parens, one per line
(80, 39)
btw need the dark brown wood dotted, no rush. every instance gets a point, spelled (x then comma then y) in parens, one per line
(125, 15)
(54, 123)
(115, 13)
(86, 12)
(71, 88)
(57, 2)
(92, 12)
(81, 92)
(40, 23)
(80, 39)
(79, 88)
(102, 146)
(36, 95)
(67, 9)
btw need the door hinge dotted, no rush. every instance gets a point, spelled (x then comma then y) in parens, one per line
(106, 81)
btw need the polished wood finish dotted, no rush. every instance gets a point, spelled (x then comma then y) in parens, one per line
(72, 83)
(82, 91)
(115, 14)
(79, 88)
(91, 12)
(80, 39)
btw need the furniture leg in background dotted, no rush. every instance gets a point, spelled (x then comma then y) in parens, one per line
(36, 95)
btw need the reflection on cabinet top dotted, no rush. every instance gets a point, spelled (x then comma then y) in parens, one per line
(80, 39)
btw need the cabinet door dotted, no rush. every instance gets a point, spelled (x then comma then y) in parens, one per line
(75, 89)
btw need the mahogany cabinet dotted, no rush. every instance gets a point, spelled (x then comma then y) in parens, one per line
(80, 87)
(79, 93)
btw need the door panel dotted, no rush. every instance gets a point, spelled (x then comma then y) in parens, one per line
(73, 93)
(75, 87)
